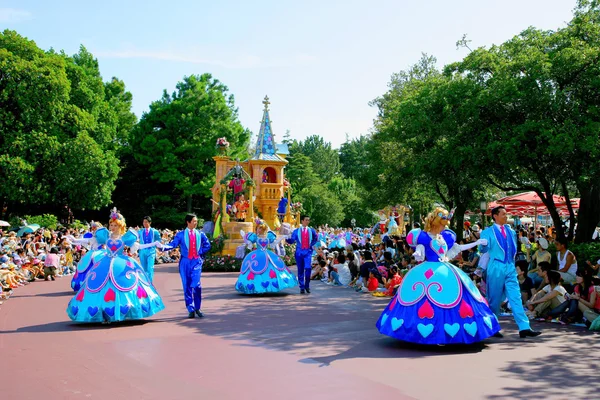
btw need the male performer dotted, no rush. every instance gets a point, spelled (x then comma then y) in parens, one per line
(148, 255)
(501, 271)
(193, 246)
(305, 238)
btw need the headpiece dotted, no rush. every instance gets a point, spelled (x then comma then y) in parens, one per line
(114, 215)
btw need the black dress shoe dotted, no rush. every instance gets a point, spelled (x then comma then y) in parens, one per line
(529, 333)
(307, 290)
(498, 335)
(192, 314)
(199, 314)
(302, 291)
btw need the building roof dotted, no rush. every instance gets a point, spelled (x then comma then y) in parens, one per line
(266, 148)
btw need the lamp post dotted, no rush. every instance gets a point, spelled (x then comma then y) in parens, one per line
(483, 207)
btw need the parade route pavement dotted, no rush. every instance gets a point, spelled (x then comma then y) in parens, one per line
(284, 346)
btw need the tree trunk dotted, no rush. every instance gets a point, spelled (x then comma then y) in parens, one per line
(571, 212)
(548, 200)
(589, 212)
(189, 204)
(459, 218)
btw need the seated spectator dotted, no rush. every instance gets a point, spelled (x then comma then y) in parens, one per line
(581, 300)
(567, 262)
(472, 260)
(373, 282)
(392, 284)
(525, 282)
(51, 264)
(340, 275)
(320, 271)
(365, 268)
(547, 299)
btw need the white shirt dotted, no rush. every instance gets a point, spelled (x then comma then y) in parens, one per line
(558, 288)
(344, 274)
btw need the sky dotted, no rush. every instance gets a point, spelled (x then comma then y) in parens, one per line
(320, 62)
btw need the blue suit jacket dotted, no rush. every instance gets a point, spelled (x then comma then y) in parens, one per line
(501, 250)
(182, 240)
(296, 237)
(154, 236)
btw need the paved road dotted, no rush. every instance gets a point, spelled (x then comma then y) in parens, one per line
(319, 346)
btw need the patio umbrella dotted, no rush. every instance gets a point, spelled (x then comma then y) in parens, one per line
(28, 229)
(4, 223)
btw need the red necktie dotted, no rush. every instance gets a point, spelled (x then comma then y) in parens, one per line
(503, 231)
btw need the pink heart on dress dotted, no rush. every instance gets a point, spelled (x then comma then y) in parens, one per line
(251, 276)
(80, 295)
(272, 274)
(141, 292)
(109, 295)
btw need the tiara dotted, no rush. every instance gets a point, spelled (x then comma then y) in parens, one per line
(258, 221)
(114, 215)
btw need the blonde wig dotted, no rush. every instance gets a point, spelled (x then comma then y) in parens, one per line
(435, 216)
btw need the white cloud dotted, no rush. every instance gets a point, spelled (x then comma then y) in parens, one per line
(13, 15)
(246, 61)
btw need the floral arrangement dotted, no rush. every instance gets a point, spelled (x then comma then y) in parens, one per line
(296, 208)
(217, 244)
(218, 263)
(222, 142)
(289, 259)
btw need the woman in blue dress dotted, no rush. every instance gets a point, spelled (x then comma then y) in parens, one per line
(437, 303)
(262, 270)
(115, 287)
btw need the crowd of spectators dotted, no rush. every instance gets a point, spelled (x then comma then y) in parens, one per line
(48, 254)
(554, 286)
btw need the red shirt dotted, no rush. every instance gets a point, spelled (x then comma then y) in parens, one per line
(396, 280)
(373, 284)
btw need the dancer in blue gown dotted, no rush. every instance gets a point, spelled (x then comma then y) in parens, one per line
(262, 270)
(437, 303)
(116, 287)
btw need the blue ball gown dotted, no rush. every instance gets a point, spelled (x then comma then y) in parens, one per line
(262, 270)
(115, 287)
(437, 303)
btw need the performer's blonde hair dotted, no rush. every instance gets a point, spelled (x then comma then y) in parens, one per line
(433, 216)
(261, 225)
(119, 220)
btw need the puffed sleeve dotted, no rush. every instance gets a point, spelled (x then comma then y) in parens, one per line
(271, 236)
(413, 237)
(251, 237)
(450, 237)
(130, 237)
(102, 235)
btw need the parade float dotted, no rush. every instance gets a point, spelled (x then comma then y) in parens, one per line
(244, 190)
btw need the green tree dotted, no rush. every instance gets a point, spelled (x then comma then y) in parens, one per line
(354, 159)
(175, 140)
(322, 205)
(49, 103)
(325, 159)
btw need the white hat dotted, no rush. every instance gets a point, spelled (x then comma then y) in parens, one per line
(475, 228)
(543, 243)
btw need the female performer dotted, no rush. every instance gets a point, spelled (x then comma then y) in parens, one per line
(436, 302)
(116, 287)
(262, 270)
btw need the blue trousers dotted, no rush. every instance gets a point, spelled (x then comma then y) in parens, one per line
(190, 272)
(502, 283)
(147, 259)
(303, 258)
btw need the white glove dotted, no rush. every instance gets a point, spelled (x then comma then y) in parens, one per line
(482, 242)
(419, 253)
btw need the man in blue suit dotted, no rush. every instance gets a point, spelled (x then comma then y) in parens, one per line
(148, 255)
(501, 271)
(305, 238)
(193, 246)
